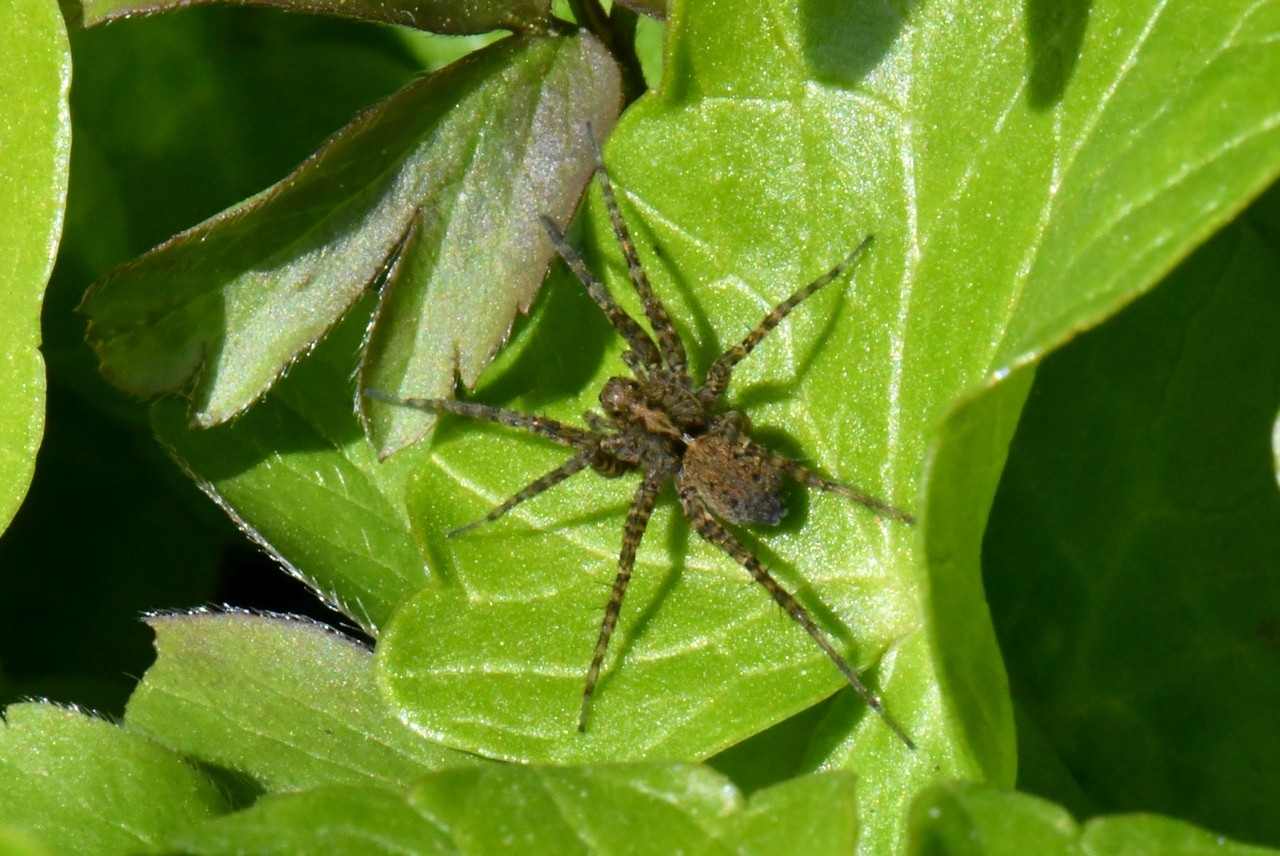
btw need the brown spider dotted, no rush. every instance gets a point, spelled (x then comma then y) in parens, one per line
(663, 424)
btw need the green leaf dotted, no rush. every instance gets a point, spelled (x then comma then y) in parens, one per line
(968, 819)
(816, 813)
(233, 301)
(336, 820)
(289, 703)
(976, 820)
(633, 809)
(15, 841)
(157, 151)
(82, 785)
(35, 144)
(1132, 550)
(1005, 220)
(455, 17)
(1140, 834)
(607, 809)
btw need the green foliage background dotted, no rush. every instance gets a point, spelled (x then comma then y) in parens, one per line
(1030, 172)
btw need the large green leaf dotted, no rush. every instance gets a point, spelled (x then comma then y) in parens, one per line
(232, 302)
(1006, 216)
(1132, 552)
(286, 702)
(35, 144)
(984, 199)
(85, 786)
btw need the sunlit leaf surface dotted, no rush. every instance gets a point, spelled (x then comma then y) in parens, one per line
(82, 785)
(285, 702)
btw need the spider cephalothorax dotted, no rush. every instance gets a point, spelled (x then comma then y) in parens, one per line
(663, 425)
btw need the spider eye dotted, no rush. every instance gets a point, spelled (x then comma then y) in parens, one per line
(619, 396)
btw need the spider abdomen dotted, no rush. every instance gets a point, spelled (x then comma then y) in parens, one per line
(739, 484)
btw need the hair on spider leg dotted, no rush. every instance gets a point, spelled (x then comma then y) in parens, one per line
(662, 424)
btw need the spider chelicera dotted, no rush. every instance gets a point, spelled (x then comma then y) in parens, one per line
(663, 424)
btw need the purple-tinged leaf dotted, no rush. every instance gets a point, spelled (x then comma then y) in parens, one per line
(232, 302)
(479, 255)
(453, 17)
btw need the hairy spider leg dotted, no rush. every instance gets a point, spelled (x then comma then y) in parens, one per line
(642, 354)
(565, 435)
(706, 525)
(807, 477)
(559, 432)
(718, 375)
(632, 532)
(668, 339)
(570, 467)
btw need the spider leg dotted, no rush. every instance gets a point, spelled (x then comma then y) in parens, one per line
(668, 339)
(596, 422)
(632, 532)
(559, 432)
(643, 352)
(807, 477)
(548, 480)
(718, 375)
(702, 521)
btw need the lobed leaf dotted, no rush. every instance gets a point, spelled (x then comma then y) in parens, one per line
(298, 476)
(231, 303)
(470, 262)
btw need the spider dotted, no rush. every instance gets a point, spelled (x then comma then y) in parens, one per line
(671, 429)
